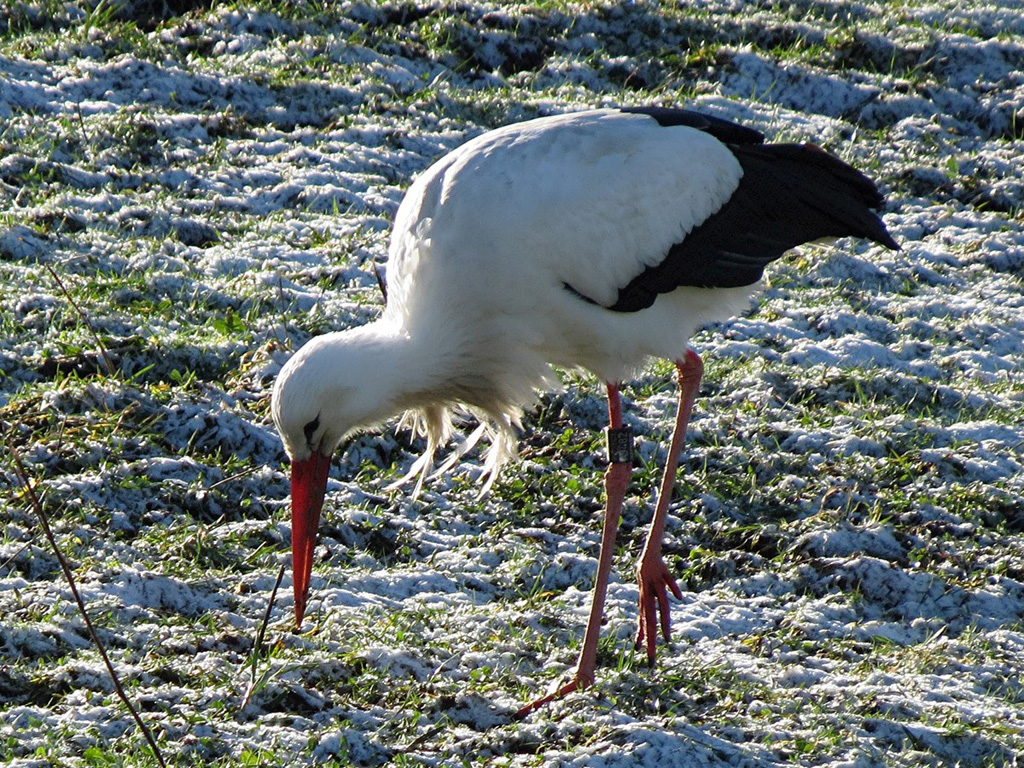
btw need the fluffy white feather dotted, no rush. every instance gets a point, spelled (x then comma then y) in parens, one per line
(484, 246)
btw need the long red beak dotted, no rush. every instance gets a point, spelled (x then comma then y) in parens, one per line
(309, 483)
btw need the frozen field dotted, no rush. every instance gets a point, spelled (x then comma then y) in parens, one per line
(195, 195)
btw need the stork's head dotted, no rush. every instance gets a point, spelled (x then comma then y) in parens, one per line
(328, 389)
(309, 402)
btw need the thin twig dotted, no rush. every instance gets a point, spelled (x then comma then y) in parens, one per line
(107, 362)
(81, 127)
(235, 476)
(69, 577)
(15, 556)
(423, 738)
(258, 645)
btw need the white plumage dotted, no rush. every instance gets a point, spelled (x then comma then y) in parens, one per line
(593, 240)
(477, 303)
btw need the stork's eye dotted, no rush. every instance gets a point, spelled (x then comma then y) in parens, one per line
(310, 429)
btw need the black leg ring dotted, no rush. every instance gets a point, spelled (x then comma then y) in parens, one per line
(620, 445)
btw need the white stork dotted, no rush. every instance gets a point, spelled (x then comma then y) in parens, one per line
(594, 240)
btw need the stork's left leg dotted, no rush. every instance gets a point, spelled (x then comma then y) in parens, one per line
(652, 574)
(616, 480)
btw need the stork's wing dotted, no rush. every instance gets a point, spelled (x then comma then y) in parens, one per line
(620, 206)
(789, 194)
(588, 200)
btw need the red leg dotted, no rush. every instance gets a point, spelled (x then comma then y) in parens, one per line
(652, 574)
(616, 480)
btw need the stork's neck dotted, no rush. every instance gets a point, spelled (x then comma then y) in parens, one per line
(367, 375)
(381, 370)
(387, 367)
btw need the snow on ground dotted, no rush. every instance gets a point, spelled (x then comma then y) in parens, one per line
(212, 188)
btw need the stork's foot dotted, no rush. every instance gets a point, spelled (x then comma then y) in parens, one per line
(655, 583)
(580, 680)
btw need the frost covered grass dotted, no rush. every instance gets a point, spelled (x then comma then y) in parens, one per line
(212, 186)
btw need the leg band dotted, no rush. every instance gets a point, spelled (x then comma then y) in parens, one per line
(620, 445)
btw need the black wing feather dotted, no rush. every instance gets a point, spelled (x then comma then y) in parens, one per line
(789, 194)
(723, 130)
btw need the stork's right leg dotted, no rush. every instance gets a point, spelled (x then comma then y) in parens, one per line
(616, 480)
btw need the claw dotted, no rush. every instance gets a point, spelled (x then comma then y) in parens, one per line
(655, 581)
(580, 681)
